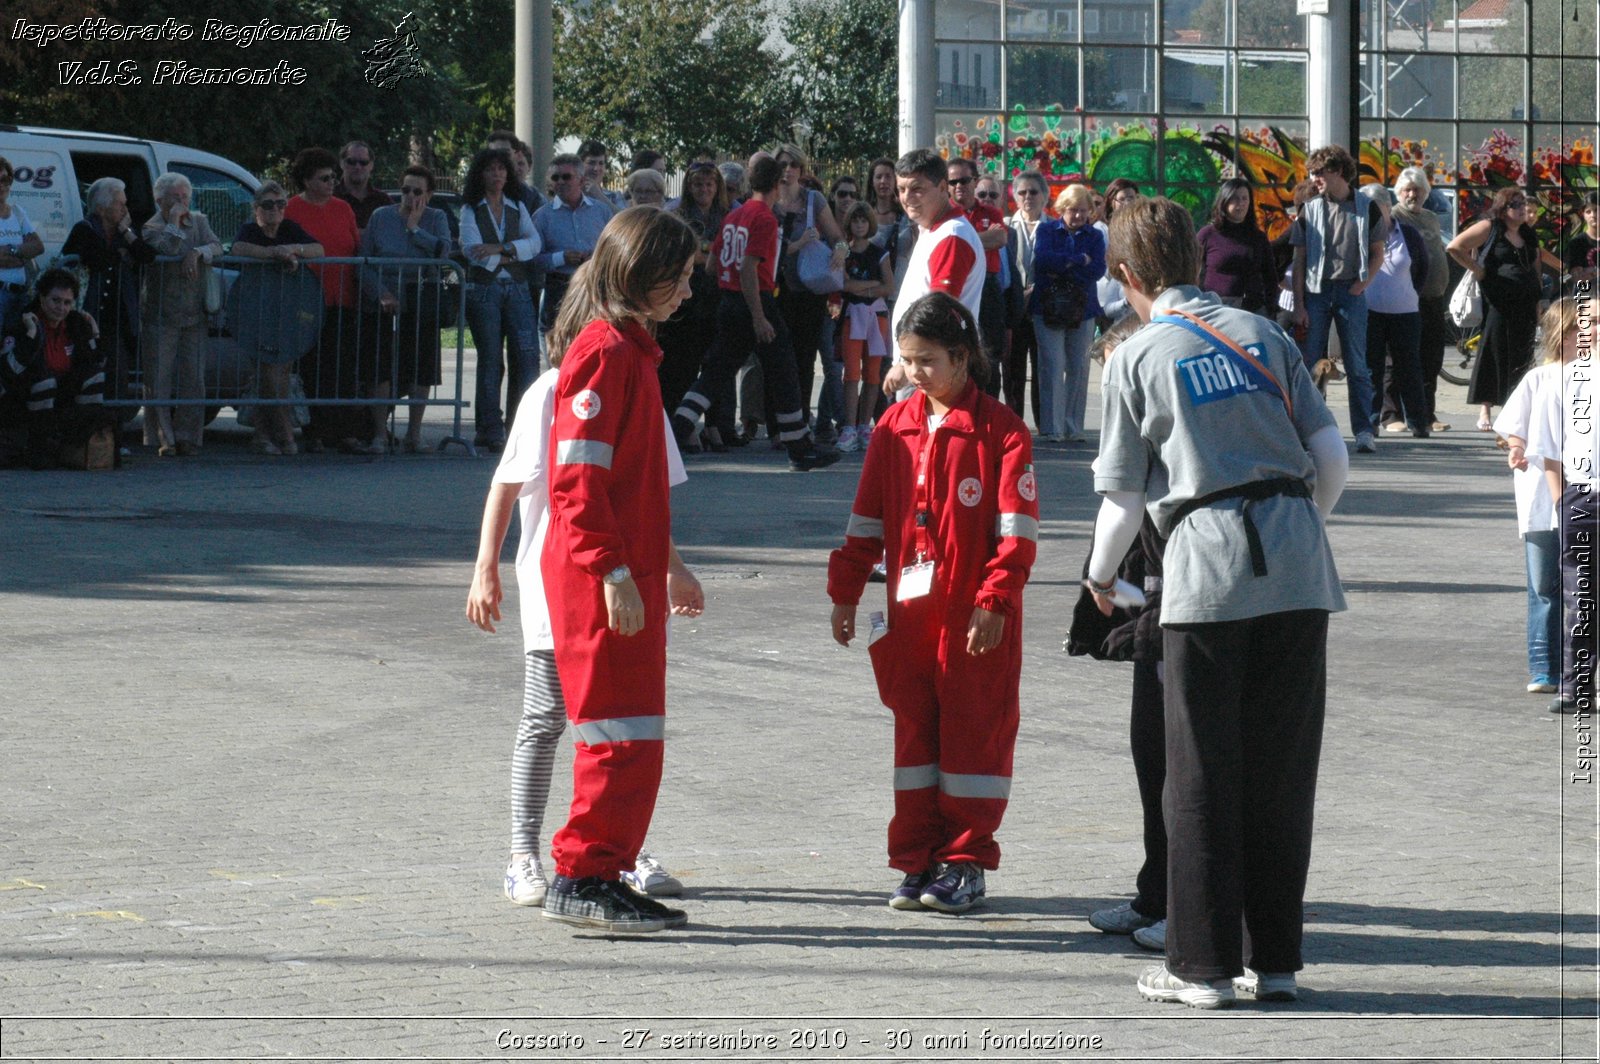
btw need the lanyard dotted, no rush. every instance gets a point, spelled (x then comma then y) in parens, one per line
(924, 499)
(1202, 329)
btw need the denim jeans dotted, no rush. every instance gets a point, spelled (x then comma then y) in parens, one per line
(496, 312)
(1543, 551)
(1334, 305)
(1063, 377)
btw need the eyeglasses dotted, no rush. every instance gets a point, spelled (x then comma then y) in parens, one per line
(959, 181)
(988, 195)
(844, 193)
(358, 162)
(563, 177)
(272, 204)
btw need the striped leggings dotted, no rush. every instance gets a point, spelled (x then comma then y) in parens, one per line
(544, 718)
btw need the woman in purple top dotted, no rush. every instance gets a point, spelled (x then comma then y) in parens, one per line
(1235, 257)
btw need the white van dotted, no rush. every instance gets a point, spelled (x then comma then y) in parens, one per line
(55, 167)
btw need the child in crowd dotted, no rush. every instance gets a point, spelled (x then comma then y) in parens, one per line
(1562, 434)
(864, 331)
(609, 562)
(948, 498)
(1536, 511)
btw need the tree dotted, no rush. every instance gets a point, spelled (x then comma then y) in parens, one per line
(679, 76)
(845, 71)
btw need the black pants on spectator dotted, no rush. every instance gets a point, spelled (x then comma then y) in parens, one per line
(992, 331)
(1430, 353)
(1020, 351)
(1148, 735)
(684, 340)
(1244, 703)
(805, 313)
(1580, 531)
(330, 372)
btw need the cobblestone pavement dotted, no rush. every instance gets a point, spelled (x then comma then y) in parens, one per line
(255, 792)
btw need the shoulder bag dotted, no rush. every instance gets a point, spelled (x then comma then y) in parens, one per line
(812, 261)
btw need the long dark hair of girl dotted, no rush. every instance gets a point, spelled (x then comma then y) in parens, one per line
(472, 189)
(943, 320)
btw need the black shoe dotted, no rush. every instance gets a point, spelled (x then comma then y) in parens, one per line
(683, 430)
(1561, 707)
(735, 438)
(806, 459)
(673, 917)
(1420, 433)
(603, 903)
(711, 440)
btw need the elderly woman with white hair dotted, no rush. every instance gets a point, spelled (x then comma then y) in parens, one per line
(646, 188)
(1411, 191)
(111, 249)
(175, 319)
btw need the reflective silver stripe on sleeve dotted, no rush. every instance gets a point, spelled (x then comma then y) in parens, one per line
(36, 405)
(915, 777)
(1020, 525)
(959, 786)
(584, 452)
(864, 527)
(16, 367)
(620, 730)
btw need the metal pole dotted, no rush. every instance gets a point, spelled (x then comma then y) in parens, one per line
(535, 79)
(919, 75)
(522, 38)
(1329, 71)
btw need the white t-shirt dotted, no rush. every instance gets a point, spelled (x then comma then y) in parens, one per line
(12, 231)
(1536, 512)
(1564, 427)
(526, 462)
(947, 258)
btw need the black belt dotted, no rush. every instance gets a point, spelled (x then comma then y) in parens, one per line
(1254, 491)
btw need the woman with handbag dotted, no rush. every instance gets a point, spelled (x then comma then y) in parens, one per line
(1069, 256)
(804, 219)
(1503, 255)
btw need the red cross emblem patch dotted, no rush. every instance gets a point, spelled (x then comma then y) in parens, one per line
(970, 492)
(585, 405)
(1027, 487)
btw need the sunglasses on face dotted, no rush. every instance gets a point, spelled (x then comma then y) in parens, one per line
(988, 195)
(844, 193)
(959, 181)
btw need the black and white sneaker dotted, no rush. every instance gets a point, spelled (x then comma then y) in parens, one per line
(958, 888)
(907, 897)
(651, 907)
(601, 903)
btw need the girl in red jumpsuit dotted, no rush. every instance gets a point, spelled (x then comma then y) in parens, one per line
(605, 560)
(948, 500)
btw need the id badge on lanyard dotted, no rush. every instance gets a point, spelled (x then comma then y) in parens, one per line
(916, 579)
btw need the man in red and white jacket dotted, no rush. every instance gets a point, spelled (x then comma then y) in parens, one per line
(947, 257)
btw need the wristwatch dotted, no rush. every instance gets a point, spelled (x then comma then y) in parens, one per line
(1101, 590)
(617, 575)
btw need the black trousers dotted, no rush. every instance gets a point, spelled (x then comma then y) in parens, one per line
(1580, 531)
(1148, 739)
(992, 331)
(1245, 702)
(712, 392)
(805, 313)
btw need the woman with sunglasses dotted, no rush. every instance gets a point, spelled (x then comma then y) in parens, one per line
(1503, 253)
(329, 372)
(408, 301)
(19, 245)
(1032, 193)
(272, 237)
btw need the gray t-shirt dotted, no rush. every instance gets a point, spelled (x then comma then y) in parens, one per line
(1184, 419)
(1342, 240)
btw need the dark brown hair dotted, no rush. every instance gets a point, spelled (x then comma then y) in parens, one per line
(308, 162)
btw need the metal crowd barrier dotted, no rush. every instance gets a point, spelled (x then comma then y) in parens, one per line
(263, 316)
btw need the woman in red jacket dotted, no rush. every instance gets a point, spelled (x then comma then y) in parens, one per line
(949, 501)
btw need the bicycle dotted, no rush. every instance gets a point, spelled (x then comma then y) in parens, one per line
(1458, 362)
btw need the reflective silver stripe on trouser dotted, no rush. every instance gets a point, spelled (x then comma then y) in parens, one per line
(791, 426)
(42, 396)
(1020, 525)
(620, 730)
(915, 777)
(92, 388)
(694, 405)
(960, 786)
(864, 527)
(583, 452)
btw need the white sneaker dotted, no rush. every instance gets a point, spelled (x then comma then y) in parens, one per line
(1267, 986)
(1158, 984)
(525, 883)
(847, 439)
(1153, 937)
(648, 877)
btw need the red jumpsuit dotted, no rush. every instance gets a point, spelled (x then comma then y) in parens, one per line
(955, 714)
(608, 507)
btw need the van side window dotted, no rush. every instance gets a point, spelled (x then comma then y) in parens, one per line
(222, 198)
(132, 170)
